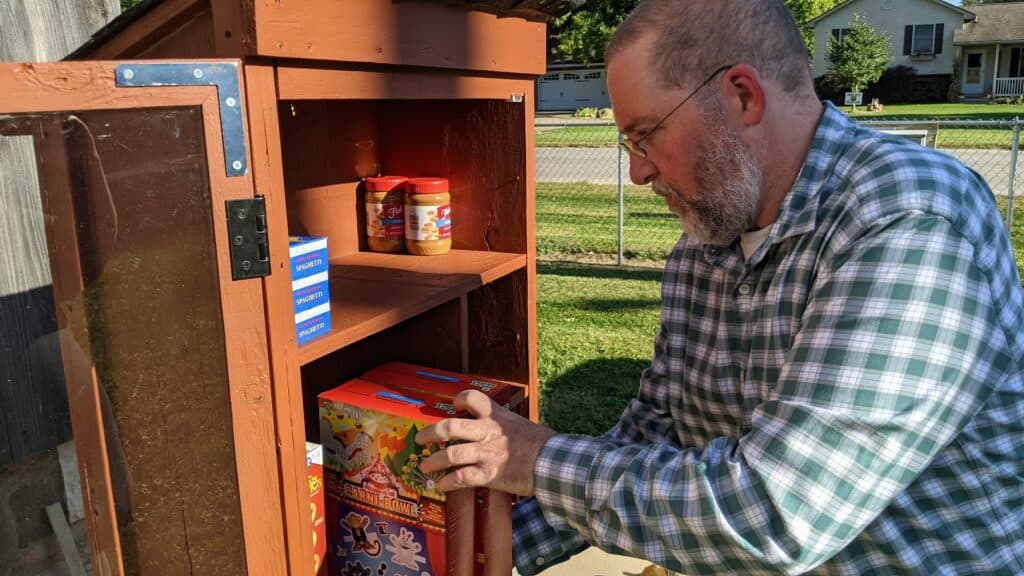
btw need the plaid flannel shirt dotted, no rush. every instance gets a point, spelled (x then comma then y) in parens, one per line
(849, 400)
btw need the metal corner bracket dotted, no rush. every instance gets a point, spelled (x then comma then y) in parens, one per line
(222, 75)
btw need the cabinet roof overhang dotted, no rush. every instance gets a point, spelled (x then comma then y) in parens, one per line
(494, 36)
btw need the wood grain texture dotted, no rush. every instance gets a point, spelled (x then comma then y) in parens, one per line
(408, 33)
(300, 81)
(268, 175)
(371, 292)
(189, 35)
(142, 34)
(498, 331)
(530, 222)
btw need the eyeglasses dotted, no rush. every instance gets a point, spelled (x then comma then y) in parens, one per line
(633, 147)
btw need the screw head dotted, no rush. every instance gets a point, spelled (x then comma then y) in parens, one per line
(198, 72)
(238, 240)
(237, 164)
(243, 214)
(230, 102)
(246, 265)
(129, 74)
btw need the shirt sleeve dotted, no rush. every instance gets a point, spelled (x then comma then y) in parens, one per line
(899, 347)
(647, 419)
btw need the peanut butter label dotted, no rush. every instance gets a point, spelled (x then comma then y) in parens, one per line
(428, 222)
(385, 220)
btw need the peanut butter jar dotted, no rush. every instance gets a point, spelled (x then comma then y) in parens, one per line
(385, 213)
(428, 216)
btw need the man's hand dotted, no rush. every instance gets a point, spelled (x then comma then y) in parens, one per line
(499, 447)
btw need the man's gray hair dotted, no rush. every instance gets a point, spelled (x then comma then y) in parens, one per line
(693, 37)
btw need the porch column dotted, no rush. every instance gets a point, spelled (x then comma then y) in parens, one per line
(995, 71)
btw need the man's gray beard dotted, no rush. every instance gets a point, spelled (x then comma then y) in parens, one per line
(728, 187)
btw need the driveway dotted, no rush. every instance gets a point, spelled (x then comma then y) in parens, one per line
(599, 166)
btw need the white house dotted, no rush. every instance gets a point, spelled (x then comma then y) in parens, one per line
(992, 50)
(573, 86)
(937, 38)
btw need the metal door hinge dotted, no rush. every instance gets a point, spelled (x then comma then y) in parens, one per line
(247, 233)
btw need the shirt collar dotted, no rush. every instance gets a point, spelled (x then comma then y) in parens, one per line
(798, 212)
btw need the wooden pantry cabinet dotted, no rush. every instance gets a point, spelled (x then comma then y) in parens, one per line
(175, 153)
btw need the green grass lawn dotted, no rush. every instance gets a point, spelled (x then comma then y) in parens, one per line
(580, 218)
(979, 138)
(596, 327)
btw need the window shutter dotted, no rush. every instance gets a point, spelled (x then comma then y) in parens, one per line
(908, 39)
(939, 31)
(1015, 62)
(835, 33)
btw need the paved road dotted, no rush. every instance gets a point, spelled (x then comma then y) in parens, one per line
(598, 165)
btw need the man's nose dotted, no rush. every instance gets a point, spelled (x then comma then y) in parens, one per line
(641, 170)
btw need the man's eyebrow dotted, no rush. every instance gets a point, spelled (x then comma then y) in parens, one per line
(634, 123)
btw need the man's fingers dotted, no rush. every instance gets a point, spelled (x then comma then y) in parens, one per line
(475, 402)
(467, 477)
(450, 457)
(451, 429)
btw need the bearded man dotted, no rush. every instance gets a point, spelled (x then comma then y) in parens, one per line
(837, 383)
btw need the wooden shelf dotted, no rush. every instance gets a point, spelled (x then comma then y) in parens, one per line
(371, 292)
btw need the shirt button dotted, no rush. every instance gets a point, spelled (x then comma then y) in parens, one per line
(539, 561)
(744, 289)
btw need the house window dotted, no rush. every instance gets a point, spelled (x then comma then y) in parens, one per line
(570, 76)
(840, 33)
(1016, 63)
(924, 39)
(593, 76)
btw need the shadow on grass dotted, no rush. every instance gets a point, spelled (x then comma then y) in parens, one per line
(618, 304)
(598, 271)
(589, 398)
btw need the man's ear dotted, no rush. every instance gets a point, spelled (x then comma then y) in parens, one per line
(744, 93)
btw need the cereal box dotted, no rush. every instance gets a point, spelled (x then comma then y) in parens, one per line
(384, 515)
(315, 477)
(444, 383)
(493, 509)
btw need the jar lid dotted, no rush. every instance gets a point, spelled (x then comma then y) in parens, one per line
(426, 185)
(384, 183)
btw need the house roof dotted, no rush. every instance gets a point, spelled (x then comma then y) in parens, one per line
(967, 14)
(999, 22)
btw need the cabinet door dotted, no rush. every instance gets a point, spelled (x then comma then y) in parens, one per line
(134, 380)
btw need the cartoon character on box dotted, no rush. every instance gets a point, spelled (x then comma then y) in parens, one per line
(386, 513)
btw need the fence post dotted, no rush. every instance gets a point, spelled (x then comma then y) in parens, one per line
(1013, 173)
(621, 202)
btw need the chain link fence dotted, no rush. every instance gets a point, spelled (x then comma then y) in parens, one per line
(589, 211)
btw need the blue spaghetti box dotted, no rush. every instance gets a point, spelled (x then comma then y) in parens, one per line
(308, 255)
(310, 286)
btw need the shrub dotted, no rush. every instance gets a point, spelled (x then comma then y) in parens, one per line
(585, 113)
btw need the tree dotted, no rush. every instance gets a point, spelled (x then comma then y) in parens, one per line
(583, 34)
(860, 57)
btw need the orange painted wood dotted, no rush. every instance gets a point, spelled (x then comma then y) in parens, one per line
(308, 82)
(335, 211)
(476, 144)
(233, 31)
(287, 384)
(411, 33)
(89, 86)
(371, 292)
(248, 372)
(498, 334)
(79, 374)
(188, 37)
(530, 197)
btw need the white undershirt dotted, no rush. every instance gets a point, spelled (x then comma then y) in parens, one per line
(751, 241)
